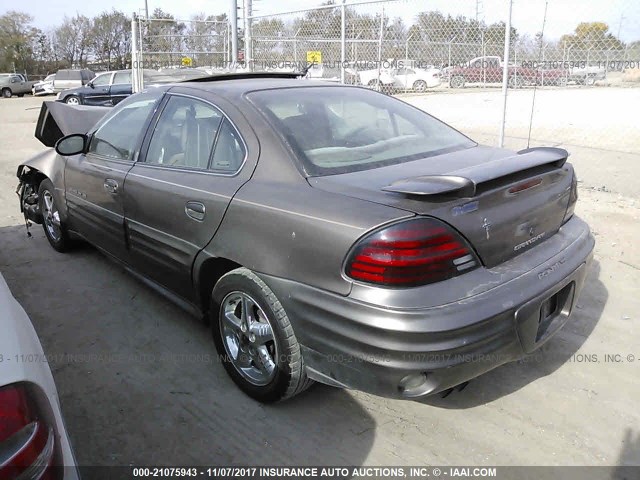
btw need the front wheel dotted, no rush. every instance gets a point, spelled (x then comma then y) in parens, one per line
(420, 86)
(254, 339)
(6, 92)
(515, 81)
(54, 230)
(457, 81)
(72, 100)
(590, 81)
(374, 84)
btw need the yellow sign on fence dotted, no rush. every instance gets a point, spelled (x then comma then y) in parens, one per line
(314, 56)
(187, 61)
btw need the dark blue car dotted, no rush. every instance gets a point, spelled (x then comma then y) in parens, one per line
(106, 89)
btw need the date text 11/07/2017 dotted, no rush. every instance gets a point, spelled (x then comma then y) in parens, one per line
(314, 472)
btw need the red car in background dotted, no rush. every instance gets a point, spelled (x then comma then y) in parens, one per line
(489, 69)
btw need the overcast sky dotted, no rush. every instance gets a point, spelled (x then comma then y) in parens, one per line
(562, 15)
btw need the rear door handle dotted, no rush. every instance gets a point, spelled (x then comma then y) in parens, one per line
(195, 210)
(110, 185)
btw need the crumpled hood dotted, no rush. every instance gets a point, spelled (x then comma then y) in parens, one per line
(58, 119)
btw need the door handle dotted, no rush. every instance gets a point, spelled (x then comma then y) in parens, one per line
(195, 210)
(110, 185)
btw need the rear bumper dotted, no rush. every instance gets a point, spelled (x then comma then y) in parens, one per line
(353, 344)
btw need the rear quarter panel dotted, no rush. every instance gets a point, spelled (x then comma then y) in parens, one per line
(296, 232)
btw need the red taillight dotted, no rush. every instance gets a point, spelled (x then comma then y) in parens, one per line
(26, 441)
(14, 410)
(411, 253)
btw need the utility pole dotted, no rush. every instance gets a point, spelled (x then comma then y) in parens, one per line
(146, 9)
(234, 31)
(505, 74)
(478, 9)
(622, 17)
(248, 12)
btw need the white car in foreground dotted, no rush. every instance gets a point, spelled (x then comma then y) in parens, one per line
(33, 440)
(416, 79)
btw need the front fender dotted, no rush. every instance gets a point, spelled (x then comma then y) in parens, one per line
(50, 165)
(48, 162)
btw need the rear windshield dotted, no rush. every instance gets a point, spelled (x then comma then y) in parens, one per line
(345, 129)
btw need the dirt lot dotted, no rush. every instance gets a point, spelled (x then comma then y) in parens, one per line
(138, 383)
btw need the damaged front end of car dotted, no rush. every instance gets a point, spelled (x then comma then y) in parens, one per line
(55, 121)
(28, 192)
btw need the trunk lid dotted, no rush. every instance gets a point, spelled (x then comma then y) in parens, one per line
(502, 202)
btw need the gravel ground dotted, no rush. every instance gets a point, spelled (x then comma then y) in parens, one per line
(138, 383)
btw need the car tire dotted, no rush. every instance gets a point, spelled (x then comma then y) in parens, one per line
(72, 100)
(515, 81)
(590, 81)
(272, 371)
(6, 93)
(373, 84)
(457, 81)
(54, 229)
(420, 86)
(20, 95)
(562, 82)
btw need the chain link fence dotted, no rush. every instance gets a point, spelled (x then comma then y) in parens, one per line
(571, 77)
(165, 49)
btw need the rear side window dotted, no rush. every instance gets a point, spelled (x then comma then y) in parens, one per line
(344, 129)
(229, 152)
(62, 75)
(185, 134)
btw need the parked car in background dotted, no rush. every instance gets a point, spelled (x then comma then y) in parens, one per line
(33, 438)
(108, 88)
(489, 69)
(14, 84)
(44, 87)
(105, 89)
(382, 78)
(416, 79)
(319, 71)
(68, 78)
(587, 75)
(329, 232)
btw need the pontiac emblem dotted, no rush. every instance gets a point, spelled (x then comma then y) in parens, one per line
(487, 227)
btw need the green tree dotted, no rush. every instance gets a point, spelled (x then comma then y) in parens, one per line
(592, 35)
(16, 41)
(111, 39)
(72, 40)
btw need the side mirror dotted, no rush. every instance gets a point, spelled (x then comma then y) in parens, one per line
(72, 144)
(90, 84)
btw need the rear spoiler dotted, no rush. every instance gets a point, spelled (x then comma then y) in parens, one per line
(58, 119)
(464, 182)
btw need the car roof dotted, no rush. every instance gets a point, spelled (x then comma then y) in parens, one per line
(238, 84)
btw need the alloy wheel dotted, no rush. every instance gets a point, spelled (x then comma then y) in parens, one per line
(248, 338)
(51, 216)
